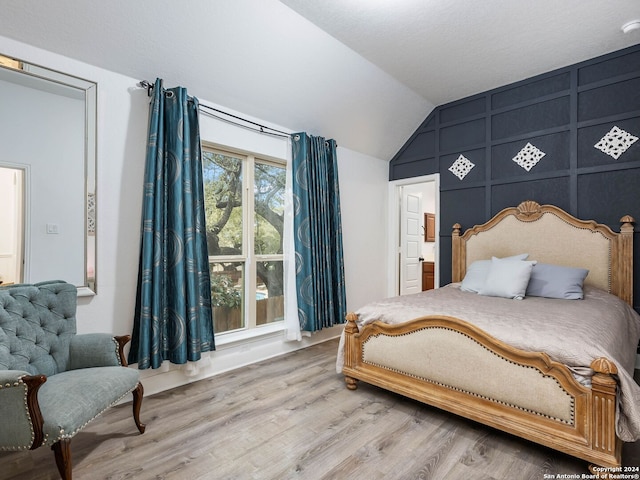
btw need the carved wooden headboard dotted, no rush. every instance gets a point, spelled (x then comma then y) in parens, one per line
(551, 235)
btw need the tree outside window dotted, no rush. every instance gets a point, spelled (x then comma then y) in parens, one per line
(244, 237)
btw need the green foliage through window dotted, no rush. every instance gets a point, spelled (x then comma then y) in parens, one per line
(232, 274)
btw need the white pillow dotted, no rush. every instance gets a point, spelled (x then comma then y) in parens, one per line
(507, 278)
(477, 272)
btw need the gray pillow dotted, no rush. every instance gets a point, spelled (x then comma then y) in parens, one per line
(555, 281)
(507, 278)
(477, 273)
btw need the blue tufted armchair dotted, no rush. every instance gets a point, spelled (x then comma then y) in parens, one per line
(52, 381)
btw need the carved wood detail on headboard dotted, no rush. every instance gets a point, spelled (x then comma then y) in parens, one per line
(614, 262)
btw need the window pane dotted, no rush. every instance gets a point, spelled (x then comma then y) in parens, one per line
(226, 295)
(223, 203)
(269, 296)
(269, 208)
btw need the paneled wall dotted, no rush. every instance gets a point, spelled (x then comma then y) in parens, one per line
(552, 123)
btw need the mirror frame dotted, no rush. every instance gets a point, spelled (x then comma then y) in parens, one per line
(89, 90)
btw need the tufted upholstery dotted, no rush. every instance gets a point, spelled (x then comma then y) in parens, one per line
(37, 323)
(53, 382)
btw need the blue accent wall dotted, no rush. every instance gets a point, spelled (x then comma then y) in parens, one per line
(564, 113)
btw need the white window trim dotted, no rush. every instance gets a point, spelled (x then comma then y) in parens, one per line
(248, 256)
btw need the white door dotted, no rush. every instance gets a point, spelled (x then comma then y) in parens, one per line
(410, 243)
(11, 224)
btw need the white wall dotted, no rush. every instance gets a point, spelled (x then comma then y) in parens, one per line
(122, 129)
(363, 196)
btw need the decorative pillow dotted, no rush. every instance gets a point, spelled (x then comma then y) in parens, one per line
(555, 281)
(477, 273)
(507, 278)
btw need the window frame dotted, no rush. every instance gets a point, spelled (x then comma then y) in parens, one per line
(248, 255)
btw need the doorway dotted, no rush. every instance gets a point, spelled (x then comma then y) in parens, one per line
(12, 223)
(410, 200)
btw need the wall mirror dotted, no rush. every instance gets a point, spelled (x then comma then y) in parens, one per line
(47, 176)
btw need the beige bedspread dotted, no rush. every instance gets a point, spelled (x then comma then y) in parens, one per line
(572, 332)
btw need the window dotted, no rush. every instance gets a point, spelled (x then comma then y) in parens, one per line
(244, 208)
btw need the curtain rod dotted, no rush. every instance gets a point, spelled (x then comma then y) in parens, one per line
(258, 127)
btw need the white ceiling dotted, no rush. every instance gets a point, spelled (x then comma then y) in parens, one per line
(367, 77)
(449, 49)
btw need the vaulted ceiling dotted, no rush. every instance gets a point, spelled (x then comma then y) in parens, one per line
(365, 72)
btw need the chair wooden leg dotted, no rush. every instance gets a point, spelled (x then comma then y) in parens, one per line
(137, 403)
(62, 452)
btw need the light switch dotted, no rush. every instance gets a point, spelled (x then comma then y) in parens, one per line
(52, 228)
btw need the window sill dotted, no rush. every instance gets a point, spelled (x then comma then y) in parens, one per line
(230, 339)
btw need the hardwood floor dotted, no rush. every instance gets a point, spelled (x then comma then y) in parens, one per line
(292, 418)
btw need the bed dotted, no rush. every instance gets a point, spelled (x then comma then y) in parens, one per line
(525, 367)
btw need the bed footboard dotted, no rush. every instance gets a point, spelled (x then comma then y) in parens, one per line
(450, 364)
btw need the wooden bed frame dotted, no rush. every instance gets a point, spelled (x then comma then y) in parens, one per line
(579, 421)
